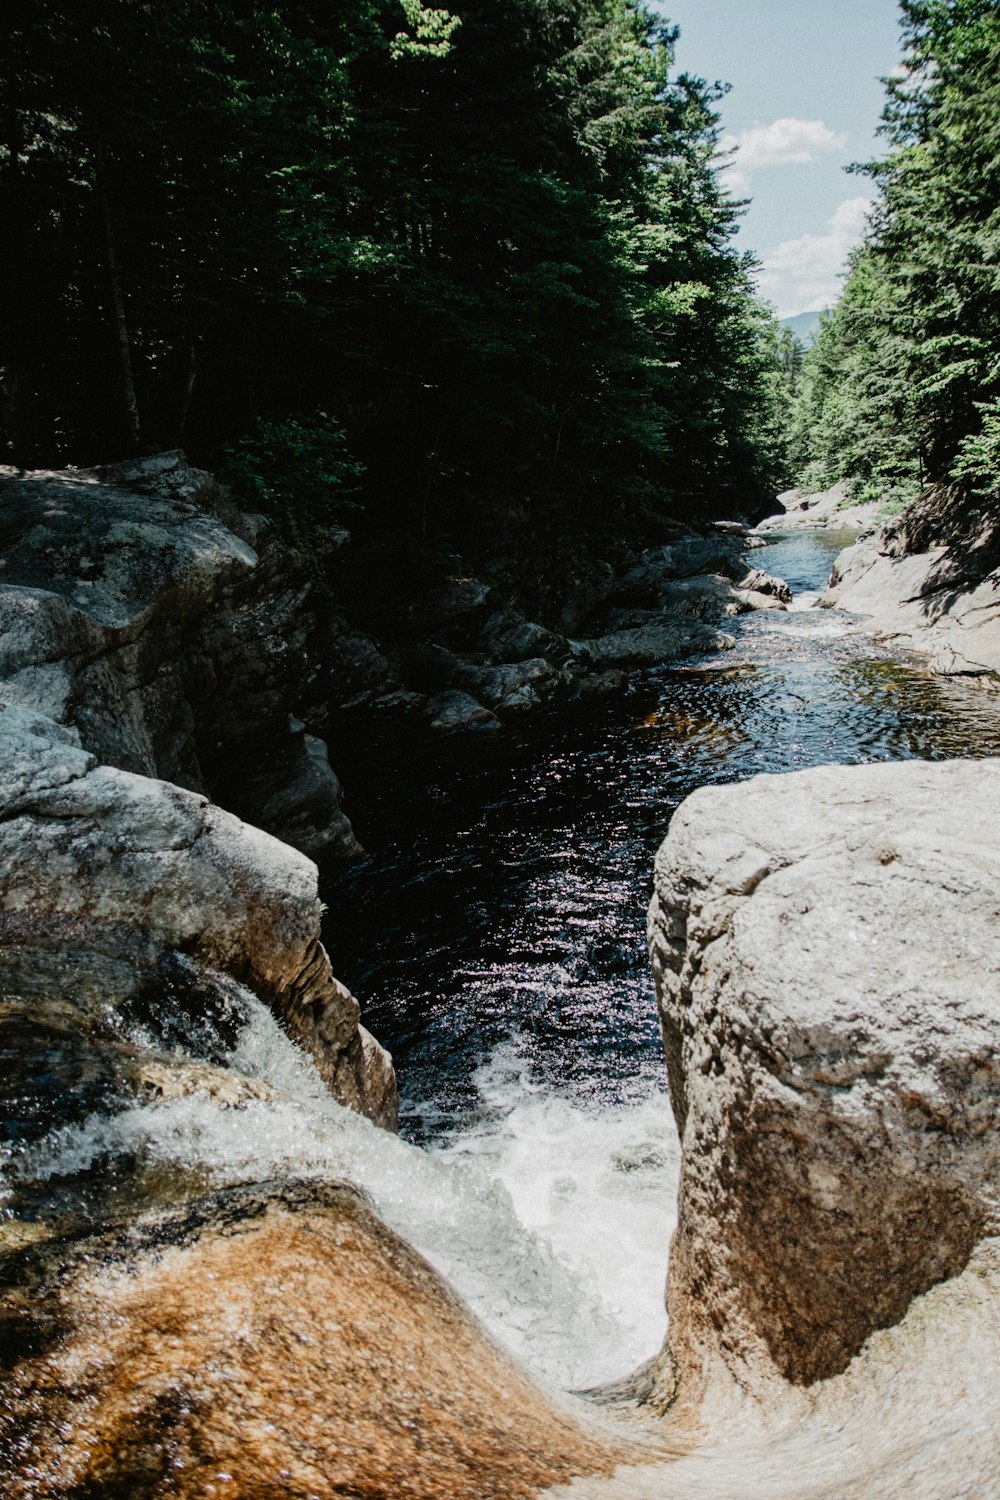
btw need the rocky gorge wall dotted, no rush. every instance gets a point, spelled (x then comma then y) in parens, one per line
(825, 947)
(149, 656)
(929, 578)
(826, 950)
(168, 668)
(174, 643)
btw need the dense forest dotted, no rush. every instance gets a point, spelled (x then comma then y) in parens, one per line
(444, 267)
(901, 391)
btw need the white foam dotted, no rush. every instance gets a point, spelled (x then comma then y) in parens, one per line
(551, 1219)
(597, 1184)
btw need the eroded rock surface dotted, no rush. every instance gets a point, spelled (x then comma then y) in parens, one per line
(826, 948)
(928, 598)
(269, 1341)
(176, 643)
(115, 874)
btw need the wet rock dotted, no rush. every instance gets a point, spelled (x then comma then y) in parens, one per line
(453, 711)
(173, 646)
(648, 583)
(154, 1078)
(128, 870)
(510, 640)
(270, 1340)
(507, 687)
(751, 600)
(722, 555)
(825, 947)
(650, 645)
(706, 597)
(511, 686)
(759, 582)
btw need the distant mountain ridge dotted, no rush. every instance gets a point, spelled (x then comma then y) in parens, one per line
(805, 325)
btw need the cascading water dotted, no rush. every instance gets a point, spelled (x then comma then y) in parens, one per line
(495, 937)
(496, 934)
(541, 1293)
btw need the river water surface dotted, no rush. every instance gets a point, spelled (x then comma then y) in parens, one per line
(495, 937)
(496, 934)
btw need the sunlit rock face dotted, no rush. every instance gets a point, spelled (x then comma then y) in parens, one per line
(936, 600)
(830, 510)
(826, 948)
(112, 882)
(268, 1341)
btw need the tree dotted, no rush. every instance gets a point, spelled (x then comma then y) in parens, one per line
(903, 376)
(490, 247)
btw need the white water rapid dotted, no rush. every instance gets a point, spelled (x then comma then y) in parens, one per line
(552, 1220)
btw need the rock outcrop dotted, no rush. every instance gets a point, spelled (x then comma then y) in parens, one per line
(175, 642)
(826, 948)
(936, 599)
(150, 655)
(269, 1341)
(828, 510)
(128, 879)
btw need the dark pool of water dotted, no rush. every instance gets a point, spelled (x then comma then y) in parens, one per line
(508, 874)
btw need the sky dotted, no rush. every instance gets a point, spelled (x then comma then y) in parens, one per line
(805, 101)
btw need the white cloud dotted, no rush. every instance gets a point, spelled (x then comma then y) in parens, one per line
(784, 142)
(803, 274)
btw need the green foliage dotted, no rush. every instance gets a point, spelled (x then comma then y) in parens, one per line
(791, 354)
(978, 461)
(899, 388)
(492, 241)
(431, 32)
(299, 473)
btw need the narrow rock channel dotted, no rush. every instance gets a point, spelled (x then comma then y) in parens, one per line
(495, 940)
(496, 933)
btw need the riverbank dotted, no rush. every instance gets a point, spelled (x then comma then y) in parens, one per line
(505, 963)
(929, 579)
(831, 509)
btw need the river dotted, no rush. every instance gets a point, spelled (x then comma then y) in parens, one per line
(496, 934)
(495, 937)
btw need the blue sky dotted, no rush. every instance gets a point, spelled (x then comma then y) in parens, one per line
(805, 101)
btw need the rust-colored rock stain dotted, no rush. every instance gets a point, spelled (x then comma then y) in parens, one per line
(267, 1342)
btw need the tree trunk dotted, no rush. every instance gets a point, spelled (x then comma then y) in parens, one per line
(131, 404)
(12, 424)
(190, 382)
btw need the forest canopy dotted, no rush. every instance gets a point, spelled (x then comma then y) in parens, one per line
(902, 388)
(453, 256)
